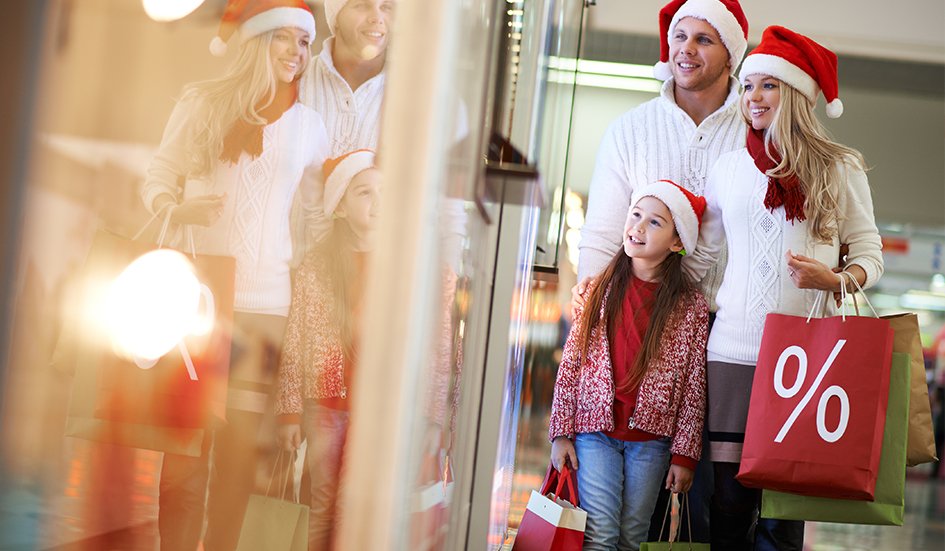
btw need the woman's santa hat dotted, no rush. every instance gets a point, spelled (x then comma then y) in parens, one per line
(339, 172)
(255, 17)
(799, 62)
(726, 16)
(686, 208)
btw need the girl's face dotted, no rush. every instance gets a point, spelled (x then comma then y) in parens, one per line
(361, 201)
(363, 27)
(651, 233)
(289, 53)
(761, 98)
(697, 56)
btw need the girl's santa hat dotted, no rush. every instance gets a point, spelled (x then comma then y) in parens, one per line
(255, 17)
(726, 16)
(799, 62)
(339, 172)
(686, 208)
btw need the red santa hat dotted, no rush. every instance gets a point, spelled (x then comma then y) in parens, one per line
(726, 16)
(339, 172)
(255, 17)
(799, 62)
(686, 207)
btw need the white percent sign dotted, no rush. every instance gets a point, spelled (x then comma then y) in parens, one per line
(830, 392)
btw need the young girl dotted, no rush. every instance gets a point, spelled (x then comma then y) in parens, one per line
(785, 203)
(229, 164)
(320, 351)
(630, 393)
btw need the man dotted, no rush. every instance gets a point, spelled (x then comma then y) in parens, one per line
(676, 136)
(347, 85)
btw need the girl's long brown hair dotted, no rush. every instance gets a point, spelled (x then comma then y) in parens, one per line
(616, 276)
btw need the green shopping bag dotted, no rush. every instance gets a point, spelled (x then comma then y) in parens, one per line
(676, 505)
(275, 523)
(888, 505)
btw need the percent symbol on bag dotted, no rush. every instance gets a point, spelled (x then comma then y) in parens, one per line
(830, 392)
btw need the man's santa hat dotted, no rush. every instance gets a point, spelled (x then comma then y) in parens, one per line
(726, 16)
(339, 172)
(332, 7)
(686, 208)
(799, 62)
(255, 17)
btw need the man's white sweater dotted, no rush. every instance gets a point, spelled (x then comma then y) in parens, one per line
(353, 118)
(654, 141)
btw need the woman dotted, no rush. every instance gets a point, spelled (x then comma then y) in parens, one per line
(784, 203)
(228, 168)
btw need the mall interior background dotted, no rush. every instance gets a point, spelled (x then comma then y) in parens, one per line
(101, 80)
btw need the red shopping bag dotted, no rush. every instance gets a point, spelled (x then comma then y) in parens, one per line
(818, 406)
(170, 393)
(553, 521)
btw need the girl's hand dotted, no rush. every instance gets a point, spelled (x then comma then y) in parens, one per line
(204, 210)
(808, 273)
(562, 449)
(679, 479)
(289, 436)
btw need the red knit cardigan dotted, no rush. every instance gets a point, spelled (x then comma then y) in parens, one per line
(672, 396)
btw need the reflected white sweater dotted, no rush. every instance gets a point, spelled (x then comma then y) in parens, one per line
(254, 227)
(756, 279)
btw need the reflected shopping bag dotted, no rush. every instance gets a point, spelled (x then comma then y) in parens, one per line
(887, 508)
(921, 441)
(275, 523)
(553, 521)
(673, 514)
(162, 408)
(818, 406)
(429, 517)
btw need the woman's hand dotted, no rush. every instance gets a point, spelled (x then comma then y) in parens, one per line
(808, 273)
(562, 449)
(289, 436)
(204, 210)
(679, 479)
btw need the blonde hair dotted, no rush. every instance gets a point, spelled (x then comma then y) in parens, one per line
(809, 153)
(248, 86)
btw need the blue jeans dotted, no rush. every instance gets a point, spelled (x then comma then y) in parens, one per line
(325, 433)
(618, 483)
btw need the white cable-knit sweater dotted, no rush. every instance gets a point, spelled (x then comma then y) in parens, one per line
(353, 118)
(254, 227)
(756, 279)
(654, 141)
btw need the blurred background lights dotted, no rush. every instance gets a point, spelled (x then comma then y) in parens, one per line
(169, 10)
(153, 304)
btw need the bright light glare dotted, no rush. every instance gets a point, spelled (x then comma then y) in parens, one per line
(169, 10)
(153, 304)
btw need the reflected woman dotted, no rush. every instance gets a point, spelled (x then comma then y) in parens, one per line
(228, 167)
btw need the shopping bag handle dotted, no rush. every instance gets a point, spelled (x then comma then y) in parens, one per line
(683, 504)
(288, 473)
(859, 289)
(169, 207)
(563, 480)
(821, 300)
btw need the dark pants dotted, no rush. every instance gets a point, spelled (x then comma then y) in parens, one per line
(184, 488)
(735, 522)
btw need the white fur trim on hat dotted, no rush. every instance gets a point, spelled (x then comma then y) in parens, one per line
(684, 216)
(717, 15)
(332, 7)
(783, 70)
(276, 18)
(340, 177)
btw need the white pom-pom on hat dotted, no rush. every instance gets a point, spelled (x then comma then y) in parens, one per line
(218, 47)
(835, 108)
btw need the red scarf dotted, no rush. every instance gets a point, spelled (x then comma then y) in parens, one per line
(787, 191)
(244, 136)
